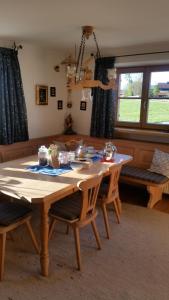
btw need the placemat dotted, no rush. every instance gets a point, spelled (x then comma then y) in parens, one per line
(48, 170)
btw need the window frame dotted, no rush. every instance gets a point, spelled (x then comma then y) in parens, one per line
(146, 70)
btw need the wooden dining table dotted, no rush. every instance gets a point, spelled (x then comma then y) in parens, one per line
(19, 182)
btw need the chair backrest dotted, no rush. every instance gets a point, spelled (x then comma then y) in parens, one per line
(89, 189)
(113, 182)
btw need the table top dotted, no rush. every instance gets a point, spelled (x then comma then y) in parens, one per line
(16, 180)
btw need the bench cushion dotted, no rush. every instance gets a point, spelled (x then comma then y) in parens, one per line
(142, 174)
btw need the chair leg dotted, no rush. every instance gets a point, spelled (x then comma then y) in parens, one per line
(33, 237)
(51, 227)
(116, 210)
(2, 253)
(118, 202)
(96, 233)
(77, 246)
(106, 222)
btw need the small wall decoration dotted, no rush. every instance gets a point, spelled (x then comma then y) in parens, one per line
(41, 94)
(52, 91)
(60, 104)
(83, 105)
(57, 68)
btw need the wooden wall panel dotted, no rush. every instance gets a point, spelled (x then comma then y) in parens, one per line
(142, 152)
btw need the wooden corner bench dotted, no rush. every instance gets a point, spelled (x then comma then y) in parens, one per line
(136, 172)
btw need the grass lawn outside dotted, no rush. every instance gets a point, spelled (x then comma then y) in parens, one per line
(158, 111)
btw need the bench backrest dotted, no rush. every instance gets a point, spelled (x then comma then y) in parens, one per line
(142, 152)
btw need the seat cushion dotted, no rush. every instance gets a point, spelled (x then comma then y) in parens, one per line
(12, 212)
(68, 208)
(142, 174)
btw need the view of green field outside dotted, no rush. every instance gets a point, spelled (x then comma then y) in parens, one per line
(158, 111)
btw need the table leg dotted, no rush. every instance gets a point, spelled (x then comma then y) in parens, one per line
(44, 256)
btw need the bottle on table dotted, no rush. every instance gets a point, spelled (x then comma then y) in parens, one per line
(43, 156)
(109, 151)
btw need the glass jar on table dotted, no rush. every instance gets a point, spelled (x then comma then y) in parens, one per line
(80, 151)
(63, 158)
(71, 156)
(43, 156)
(109, 151)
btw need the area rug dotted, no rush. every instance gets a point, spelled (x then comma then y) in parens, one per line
(132, 265)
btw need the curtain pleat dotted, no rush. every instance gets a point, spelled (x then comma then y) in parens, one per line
(103, 110)
(13, 116)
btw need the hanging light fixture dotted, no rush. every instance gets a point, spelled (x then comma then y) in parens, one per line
(78, 72)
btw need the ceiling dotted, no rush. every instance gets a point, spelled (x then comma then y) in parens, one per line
(118, 23)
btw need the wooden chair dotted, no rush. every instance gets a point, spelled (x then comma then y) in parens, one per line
(13, 215)
(109, 193)
(78, 210)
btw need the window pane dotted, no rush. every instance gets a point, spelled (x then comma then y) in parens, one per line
(158, 111)
(159, 84)
(131, 85)
(129, 110)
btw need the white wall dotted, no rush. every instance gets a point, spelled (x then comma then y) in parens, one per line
(82, 118)
(37, 67)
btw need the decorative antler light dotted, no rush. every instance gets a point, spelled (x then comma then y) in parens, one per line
(79, 75)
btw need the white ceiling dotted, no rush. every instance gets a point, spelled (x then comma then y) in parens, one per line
(57, 23)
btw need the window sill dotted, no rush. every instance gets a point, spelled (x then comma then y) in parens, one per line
(142, 135)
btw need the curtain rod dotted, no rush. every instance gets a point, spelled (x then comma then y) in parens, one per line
(145, 53)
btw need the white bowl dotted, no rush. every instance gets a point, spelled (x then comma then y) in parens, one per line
(76, 165)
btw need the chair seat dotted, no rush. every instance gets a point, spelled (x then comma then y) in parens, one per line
(68, 208)
(11, 212)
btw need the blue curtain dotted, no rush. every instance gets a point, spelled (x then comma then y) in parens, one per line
(103, 111)
(13, 117)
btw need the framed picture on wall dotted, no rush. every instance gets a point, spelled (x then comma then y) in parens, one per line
(83, 105)
(41, 94)
(52, 91)
(60, 104)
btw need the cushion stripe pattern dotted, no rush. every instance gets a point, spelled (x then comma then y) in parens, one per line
(142, 174)
(68, 208)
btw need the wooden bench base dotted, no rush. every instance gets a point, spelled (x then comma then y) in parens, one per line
(155, 191)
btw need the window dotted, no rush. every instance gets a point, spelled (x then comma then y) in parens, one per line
(143, 97)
